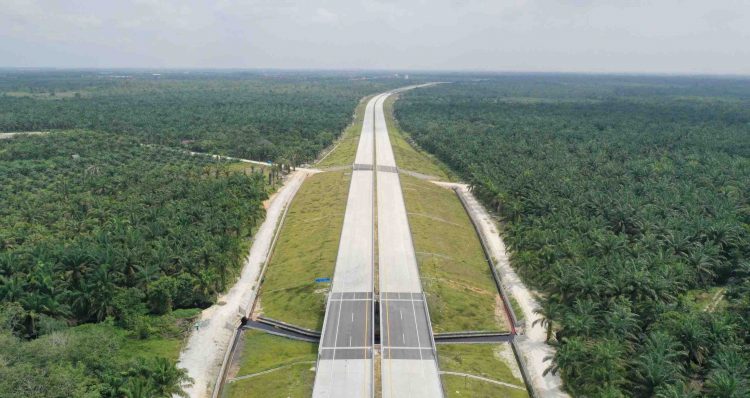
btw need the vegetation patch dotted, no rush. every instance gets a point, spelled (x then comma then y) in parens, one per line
(620, 196)
(345, 148)
(460, 386)
(707, 300)
(455, 275)
(288, 364)
(492, 361)
(262, 351)
(93, 360)
(295, 381)
(96, 228)
(306, 250)
(406, 155)
(284, 117)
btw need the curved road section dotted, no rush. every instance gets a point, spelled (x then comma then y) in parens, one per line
(345, 353)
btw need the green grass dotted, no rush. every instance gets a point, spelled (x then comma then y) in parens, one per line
(306, 250)
(262, 352)
(186, 313)
(704, 299)
(247, 168)
(346, 147)
(166, 337)
(485, 360)
(293, 382)
(152, 347)
(455, 275)
(517, 310)
(457, 386)
(407, 157)
(130, 347)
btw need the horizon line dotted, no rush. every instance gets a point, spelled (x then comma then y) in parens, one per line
(377, 70)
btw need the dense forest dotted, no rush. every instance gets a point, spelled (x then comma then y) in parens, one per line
(288, 117)
(98, 227)
(626, 202)
(112, 237)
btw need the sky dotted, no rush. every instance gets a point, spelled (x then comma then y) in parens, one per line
(620, 36)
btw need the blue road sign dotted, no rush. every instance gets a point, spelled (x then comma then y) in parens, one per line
(321, 280)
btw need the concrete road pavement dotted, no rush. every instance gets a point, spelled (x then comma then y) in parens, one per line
(409, 364)
(345, 353)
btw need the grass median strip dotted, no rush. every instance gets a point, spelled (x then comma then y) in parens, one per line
(460, 291)
(287, 365)
(407, 157)
(491, 361)
(306, 250)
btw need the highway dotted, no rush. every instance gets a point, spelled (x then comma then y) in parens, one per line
(345, 354)
(408, 361)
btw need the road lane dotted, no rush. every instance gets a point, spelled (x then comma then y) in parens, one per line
(408, 362)
(345, 353)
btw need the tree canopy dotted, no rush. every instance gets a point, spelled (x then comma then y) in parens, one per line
(622, 198)
(261, 116)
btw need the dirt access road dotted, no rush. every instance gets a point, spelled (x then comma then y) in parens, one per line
(531, 342)
(204, 352)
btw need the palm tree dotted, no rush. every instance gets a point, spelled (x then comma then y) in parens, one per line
(101, 287)
(137, 387)
(694, 338)
(680, 389)
(621, 321)
(658, 363)
(703, 259)
(725, 384)
(581, 320)
(548, 311)
(169, 379)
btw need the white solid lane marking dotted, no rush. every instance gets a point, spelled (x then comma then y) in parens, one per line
(416, 327)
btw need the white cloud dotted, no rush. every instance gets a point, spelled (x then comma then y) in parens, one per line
(568, 35)
(325, 16)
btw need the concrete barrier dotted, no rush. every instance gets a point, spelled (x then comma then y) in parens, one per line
(289, 327)
(228, 356)
(524, 371)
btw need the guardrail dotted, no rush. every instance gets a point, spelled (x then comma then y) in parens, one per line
(434, 346)
(250, 325)
(524, 371)
(472, 333)
(229, 355)
(506, 302)
(491, 261)
(289, 326)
